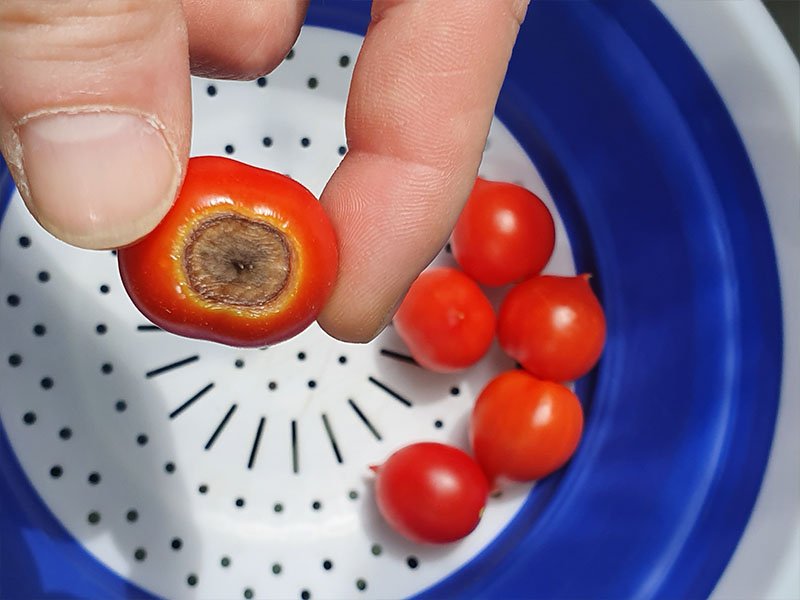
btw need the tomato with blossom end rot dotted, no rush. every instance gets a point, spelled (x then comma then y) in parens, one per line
(245, 257)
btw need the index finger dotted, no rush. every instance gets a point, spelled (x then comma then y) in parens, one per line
(421, 102)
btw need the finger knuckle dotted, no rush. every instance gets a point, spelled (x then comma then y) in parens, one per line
(70, 30)
(262, 34)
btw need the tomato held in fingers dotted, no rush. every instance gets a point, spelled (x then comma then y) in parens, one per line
(431, 492)
(523, 428)
(245, 257)
(504, 234)
(445, 320)
(553, 326)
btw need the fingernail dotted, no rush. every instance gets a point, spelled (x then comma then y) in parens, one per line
(97, 179)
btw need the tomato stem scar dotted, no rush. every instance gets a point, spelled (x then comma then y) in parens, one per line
(237, 261)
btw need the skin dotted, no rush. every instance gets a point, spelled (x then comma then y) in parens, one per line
(81, 125)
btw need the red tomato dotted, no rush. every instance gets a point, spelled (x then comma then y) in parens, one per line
(430, 492)
(445, 320)
(553, 326)
(245, 257)
(504, 234)
(523, 428)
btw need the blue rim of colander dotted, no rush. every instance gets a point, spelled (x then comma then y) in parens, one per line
(661, 204)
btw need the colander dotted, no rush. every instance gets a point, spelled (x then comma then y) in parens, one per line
(135, 463)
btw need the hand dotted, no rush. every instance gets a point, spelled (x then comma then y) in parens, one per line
(95, 114)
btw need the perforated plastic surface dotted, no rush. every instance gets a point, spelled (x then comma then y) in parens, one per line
(190, 467)
(661, 201)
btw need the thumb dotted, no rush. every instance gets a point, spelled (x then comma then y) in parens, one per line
(95, 113)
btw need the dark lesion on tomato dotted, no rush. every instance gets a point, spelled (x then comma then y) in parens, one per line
(236, 261)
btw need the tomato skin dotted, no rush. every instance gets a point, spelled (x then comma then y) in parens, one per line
(431, 492)
(505, 234)
(523, 428)
(445, 320)
(153, 274)
(553, 326)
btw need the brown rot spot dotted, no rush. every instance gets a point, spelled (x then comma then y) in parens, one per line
(237, 261)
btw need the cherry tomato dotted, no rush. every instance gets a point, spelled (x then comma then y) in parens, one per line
(553, 326)
(523, 428)
(504, 234)
(431, 492)
(445, 320)
(245, 257)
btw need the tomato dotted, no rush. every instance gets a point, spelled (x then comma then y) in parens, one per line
(504, 234)
(523, 428)
(245, 257)
(431, 492)
(553, 326)
(445, 320)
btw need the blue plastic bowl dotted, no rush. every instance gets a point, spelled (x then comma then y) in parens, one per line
(661, 202)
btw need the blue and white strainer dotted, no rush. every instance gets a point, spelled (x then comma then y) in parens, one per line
(134, 463)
